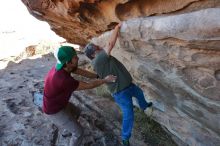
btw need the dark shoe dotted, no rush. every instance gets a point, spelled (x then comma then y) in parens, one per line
(125, 142)
(149, 104)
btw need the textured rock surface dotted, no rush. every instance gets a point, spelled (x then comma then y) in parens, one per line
(177, 61)
(79, 20)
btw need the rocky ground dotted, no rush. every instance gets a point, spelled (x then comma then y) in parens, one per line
(23, 124)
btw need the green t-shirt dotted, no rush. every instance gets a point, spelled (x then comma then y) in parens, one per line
(105, 65)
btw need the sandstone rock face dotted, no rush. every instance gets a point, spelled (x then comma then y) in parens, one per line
(176, 59)
(172, 49)
(80, 20)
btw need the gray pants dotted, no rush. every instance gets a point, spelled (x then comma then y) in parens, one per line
(65, 120)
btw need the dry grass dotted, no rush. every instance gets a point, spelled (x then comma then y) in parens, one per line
(103, 91)
(150, 131)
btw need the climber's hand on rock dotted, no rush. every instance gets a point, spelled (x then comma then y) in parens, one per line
(118, 26)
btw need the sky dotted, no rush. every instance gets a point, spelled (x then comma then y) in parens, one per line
(18, 28)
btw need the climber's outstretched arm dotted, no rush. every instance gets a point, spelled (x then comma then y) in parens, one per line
(113, 39)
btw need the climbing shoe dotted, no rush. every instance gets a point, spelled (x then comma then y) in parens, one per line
(125, 142)
(149, 104)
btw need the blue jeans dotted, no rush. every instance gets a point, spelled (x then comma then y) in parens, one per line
(124, 100)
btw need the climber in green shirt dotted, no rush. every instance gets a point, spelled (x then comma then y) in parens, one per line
(122, 89)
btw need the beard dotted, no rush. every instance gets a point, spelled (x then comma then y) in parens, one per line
(74, 68)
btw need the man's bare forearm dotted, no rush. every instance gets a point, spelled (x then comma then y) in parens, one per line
(97, 83)
(90, 85)
(85, 73)
(115, 35)
(113, 39)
